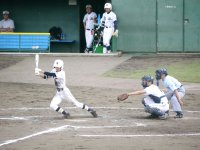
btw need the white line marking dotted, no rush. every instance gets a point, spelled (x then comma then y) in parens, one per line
(57, 130)
(36, 117)
(35, 134)
(45, 108)
(13, 118)
(145, 135)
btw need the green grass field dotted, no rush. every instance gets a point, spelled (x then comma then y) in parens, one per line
(183, 72)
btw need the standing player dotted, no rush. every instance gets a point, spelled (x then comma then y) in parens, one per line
(155, 101)
(88, 22)
(7, 24)
(109, 27)
(62, 91)
(175, 90)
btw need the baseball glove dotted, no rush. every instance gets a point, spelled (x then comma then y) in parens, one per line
(122, 97)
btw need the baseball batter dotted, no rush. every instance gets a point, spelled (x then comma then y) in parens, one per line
(155, 102)
(88, 22)
(175, 91)
(109, 27)
(62, 91)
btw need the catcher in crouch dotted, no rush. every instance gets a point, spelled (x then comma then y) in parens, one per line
(62, 91)
(155, 102)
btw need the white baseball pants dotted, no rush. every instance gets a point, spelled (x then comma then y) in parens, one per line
(67, 95)
(107, 35)
(89, 37)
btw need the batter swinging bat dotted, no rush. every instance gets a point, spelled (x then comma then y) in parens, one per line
(36, 60)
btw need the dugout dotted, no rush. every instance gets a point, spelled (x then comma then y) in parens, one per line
(145, 26)
(41, 15)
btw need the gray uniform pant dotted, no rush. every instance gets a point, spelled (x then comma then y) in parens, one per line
(171, 96)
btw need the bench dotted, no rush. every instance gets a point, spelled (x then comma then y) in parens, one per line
(24, 42)
(63, 41)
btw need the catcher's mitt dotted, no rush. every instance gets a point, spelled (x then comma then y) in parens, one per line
(122, 97)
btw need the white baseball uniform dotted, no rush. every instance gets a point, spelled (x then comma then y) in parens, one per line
(173, 84)
(89, 20)
(62, 91)
(108, 20)
(155, 98)
(7, 24)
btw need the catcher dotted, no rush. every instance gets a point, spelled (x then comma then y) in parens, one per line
(155, 102)
(63, 92)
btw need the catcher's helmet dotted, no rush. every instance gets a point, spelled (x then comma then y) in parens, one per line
(160, 72)
(108, 5)
(146, 79)
(58, 63)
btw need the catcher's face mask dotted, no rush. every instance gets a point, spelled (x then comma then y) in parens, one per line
(144, 83)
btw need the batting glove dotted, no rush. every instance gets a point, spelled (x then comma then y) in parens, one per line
(115, 33)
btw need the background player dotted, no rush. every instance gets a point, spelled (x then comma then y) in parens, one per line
(62, 91)
(174, 90)
(89, 20)
(155, 101)
(109, 27)
(7, 24)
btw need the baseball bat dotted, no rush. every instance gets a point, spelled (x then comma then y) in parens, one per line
(36, 60)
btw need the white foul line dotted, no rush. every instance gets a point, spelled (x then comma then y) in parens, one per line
(112, 108)
(59, 129)
(145, 135)
(35, 134)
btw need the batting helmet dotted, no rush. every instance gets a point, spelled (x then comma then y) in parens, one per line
(108, 5)
(146, 79)
(160, 72)
(58, 63)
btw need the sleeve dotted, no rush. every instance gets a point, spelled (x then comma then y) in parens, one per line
(115, 25)
(1, 24)
(49, 74)
(171, 85)
(12, 24)
(147, 91)
(84, 19)
(95, 15)
(114, 17)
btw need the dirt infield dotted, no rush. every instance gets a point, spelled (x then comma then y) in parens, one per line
(26, 122)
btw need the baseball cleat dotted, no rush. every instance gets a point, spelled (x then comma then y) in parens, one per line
(66, 115)
(178, 116)
(94, 114)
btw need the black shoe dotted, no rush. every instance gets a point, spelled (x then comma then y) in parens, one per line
(66, 115)
(94, 114)
(179, 115)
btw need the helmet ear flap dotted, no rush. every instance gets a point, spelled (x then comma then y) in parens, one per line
(160, 72)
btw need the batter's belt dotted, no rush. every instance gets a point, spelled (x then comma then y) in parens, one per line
(59, 89)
